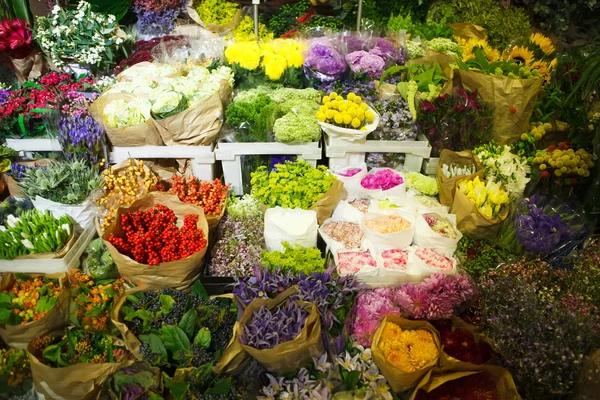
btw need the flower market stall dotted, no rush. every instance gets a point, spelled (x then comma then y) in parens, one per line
(299, 199)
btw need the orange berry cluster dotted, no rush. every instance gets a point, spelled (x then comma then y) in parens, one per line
(211, 196)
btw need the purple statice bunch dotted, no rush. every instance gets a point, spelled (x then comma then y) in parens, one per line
(268, 329)
(237, 252)
(81, 137)
(333, 295)
(396, 121)
(155, 23)
(4, 96)
(324, 63)
(365, 62)
(435, 298)
(543, 342)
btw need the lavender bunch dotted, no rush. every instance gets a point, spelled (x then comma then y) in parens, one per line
(267, 329)
(238, 250)
(333, 296)
(81, 137)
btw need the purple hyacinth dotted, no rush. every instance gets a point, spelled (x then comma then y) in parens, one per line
(156, 24)
(17, 170)
(81, 136)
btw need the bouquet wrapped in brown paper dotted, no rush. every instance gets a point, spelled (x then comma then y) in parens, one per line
(284, 357)
(59, 376)
(512, 101)
(328, 202)
(488, 381)
(387, 349)
(447, 186)
(466, 30)
(56, 316)
(179, 274)
(29, 67)
(142, 134)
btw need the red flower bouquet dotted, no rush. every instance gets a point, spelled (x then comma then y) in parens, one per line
(16, 38)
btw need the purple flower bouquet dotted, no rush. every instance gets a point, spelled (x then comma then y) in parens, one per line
(324, 63)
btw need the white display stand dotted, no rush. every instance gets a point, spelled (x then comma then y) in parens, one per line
(430, 165)
(230, 156)
(26, 146)
(56, 265)
(202, 157)
(343, 153)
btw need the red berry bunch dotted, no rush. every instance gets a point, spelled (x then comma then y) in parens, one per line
(211, 196)
(152, 236)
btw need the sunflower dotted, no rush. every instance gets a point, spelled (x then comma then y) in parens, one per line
(544, 69)
(543, 42)
(471, 44)
(521, 54)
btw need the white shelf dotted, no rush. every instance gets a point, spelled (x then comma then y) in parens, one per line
(33, 144)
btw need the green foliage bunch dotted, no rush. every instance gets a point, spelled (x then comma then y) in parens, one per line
(294, 259)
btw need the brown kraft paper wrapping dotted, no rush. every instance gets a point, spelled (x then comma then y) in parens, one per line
(285, 357)
(398, 379)
(502, 95)
(144, 134)
(75, 382)
(325, 205)
(447, 186)
(13, 186)
(471, 222)
(179, 274)
(19, 336)
(215, 28)
(466, 30)
(505, 385)
(29, 67)
(199, 125)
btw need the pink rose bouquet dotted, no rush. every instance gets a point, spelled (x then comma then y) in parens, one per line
(350, 172)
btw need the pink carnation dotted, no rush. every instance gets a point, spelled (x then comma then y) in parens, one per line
(383, 179)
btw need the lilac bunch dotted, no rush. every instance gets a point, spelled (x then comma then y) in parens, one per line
(332, 295)
(324, 63)
(267, 329)
(237, 252)
(81, 137)
(156, 23)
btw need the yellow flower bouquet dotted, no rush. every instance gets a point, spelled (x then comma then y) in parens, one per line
(480, 207)
(277, 61)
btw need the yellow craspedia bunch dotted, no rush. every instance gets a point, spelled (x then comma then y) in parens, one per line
(348, 113)
(245, 54)
(489, 198)
(537, 130)
(564, 162)
(409, 350)
(469, 45)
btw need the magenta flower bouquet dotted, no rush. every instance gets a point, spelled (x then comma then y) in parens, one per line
(384, 179)
(350, 172)
(324, 63)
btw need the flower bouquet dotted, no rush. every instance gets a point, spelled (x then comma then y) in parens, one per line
(75, 364)
(150, 248)
(292, 225)
(383, 183)
(16, 40)
(427, 261)
(462, 344)
(453, 167)
(393, 229)
(350, 176)
(480, 207)
(218, 16)
(504, 167)
(349, 119)
(438, 232)
(31, 306)
(15, 374)
(323, 63)
(361, 263)
(156, 18)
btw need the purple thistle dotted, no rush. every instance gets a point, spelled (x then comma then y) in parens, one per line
(4, 96)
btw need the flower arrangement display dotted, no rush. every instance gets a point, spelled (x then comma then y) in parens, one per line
(279, 61)
(219, 12)
(28, 299)
(349, 113)
(157, 18)
(15, 38)
(78, 347)
(275, 188)
(294, 259)
(563, 165)
(123, 186)
(152, 237)
(504, 167)
(422, 183)
(437, 297)
(391, 224)
(15, 372)
(440, 225)
(480, 386)
(69, 182)
(92, 301)
(385, 179)
(478, 56)
(354, 262)
(537, 53)
(238, 251)
(395, 259)
(489, 198)
(203, 327)
(98, 263)
(409, 350)
(34, 232)
(14, 207)
(268, 329)
(80, 35)
(452, 170)
(455, 122)
(333, 295)
(348, 233)
(323, 62)
(211, 196)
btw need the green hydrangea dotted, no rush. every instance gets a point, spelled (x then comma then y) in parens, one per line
(294, 259)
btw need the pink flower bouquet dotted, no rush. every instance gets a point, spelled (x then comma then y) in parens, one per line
(435, 260)
(347, 233)
(395, 259)
(384, 179)
(353, 262)
(350, 172)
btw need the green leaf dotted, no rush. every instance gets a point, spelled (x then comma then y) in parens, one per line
(144, 315)
(156, 344)
(94, 312)
(188, 322)
(203, 338)
(51, 303)
(175, 338)
(166, 303)
(154, 396)
(41, 304)
(222, 386)
(5, 298)
(51, 353)
(391, 71)
(143, 379)
(110, 292)
(7, 317)
(178, 389)
(351, 379)
(403, 89)
(133, 299)
(199, 290)
(21, 9)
